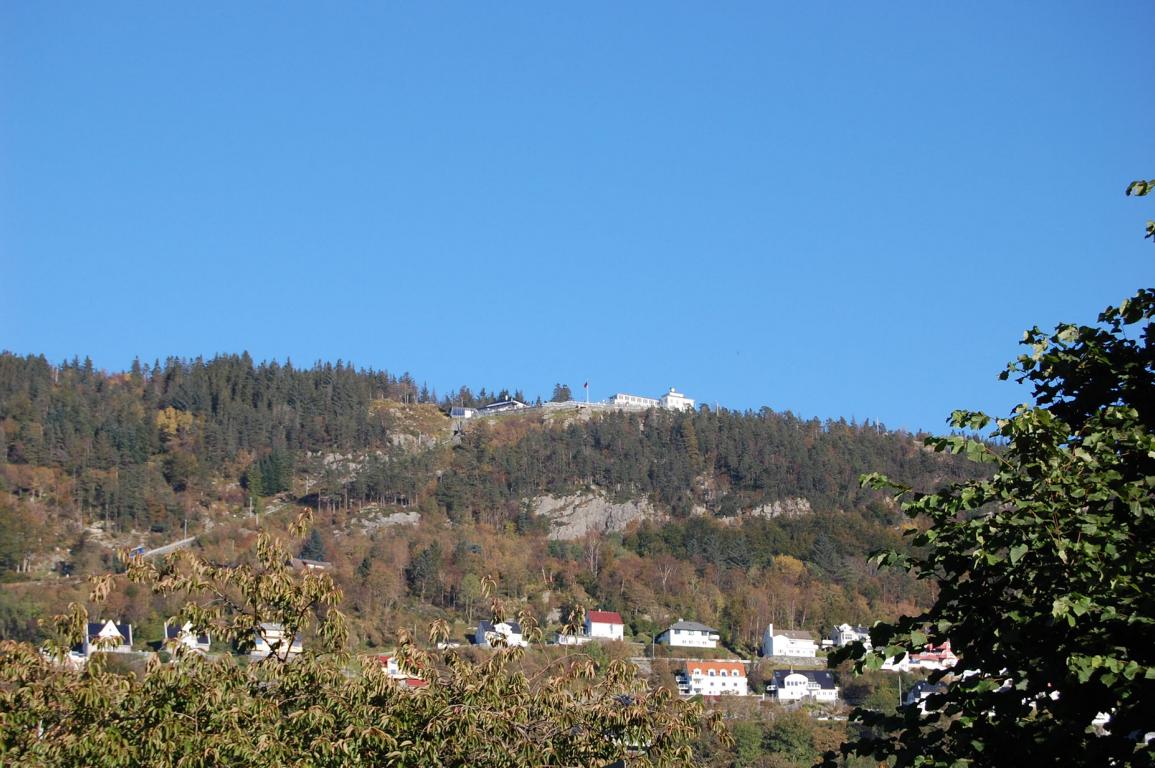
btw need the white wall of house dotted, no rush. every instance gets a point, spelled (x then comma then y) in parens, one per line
(488, 637)
(710, 681)
(689, 638)
(109, 638)
(605, 630)
(798, 686)
(781, 644)
(274, 635)
(845, 634)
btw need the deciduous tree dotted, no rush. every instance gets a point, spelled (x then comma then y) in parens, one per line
(324, 708)
(1046, 570)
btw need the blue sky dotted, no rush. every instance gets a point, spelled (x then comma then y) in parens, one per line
(842, 210)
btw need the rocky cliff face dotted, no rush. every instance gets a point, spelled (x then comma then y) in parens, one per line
(572, 517)
(796, 507)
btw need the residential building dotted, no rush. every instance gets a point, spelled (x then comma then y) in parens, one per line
(788, 642)
(396, 672)
(271, 640)
(712, 678)
(920, 692)
(791, 685)
(106, 636)
(604, 625)
(461, 412)
(935, 657)
(305, 564)
(183, 634)
(845, 634)
(689, 634)
(502, 633)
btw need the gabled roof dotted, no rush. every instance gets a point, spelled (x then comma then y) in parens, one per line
(305, 564)
(730, 667)
(503, 405)
(174, 631)
(935, 653)
(685, 625)
(795, 634)
(923, 688)
(604, 617)
(823, 679)
(487, 626)
(110, 629)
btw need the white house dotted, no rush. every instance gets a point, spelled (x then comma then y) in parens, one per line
(489, 634)
(712, 678)
(605, 625)
(788, 685)
(845, 634)
(461, 412)
(671, 401)
(270, 639)
(107, 636)
(920, 692)
(689, 634)
(676, 401)
(788, 642)
(622, 400)
(183, 634)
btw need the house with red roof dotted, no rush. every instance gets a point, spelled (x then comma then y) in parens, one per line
(604, 625)
(712, 678)
(399, 674)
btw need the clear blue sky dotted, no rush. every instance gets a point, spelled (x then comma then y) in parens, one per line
(836, 209)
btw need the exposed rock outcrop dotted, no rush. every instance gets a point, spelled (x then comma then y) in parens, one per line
(372, 522)
(572, 517)
(796, 507)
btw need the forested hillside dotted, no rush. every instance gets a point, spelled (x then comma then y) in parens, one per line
(745, 517)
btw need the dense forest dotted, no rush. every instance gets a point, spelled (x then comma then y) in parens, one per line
(751, 516)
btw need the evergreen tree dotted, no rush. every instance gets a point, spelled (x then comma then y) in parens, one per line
(313, 548)
(561, 393)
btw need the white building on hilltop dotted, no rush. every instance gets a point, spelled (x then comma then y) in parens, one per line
(671, 401)
(622, 400)
(676, 401)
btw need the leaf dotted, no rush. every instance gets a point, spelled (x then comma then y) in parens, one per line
(1140, 188)
(1017, 552)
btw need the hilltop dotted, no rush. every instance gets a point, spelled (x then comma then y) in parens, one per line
(734, 518)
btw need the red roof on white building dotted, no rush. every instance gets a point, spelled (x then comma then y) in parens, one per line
(604, 617)
(732, 668)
